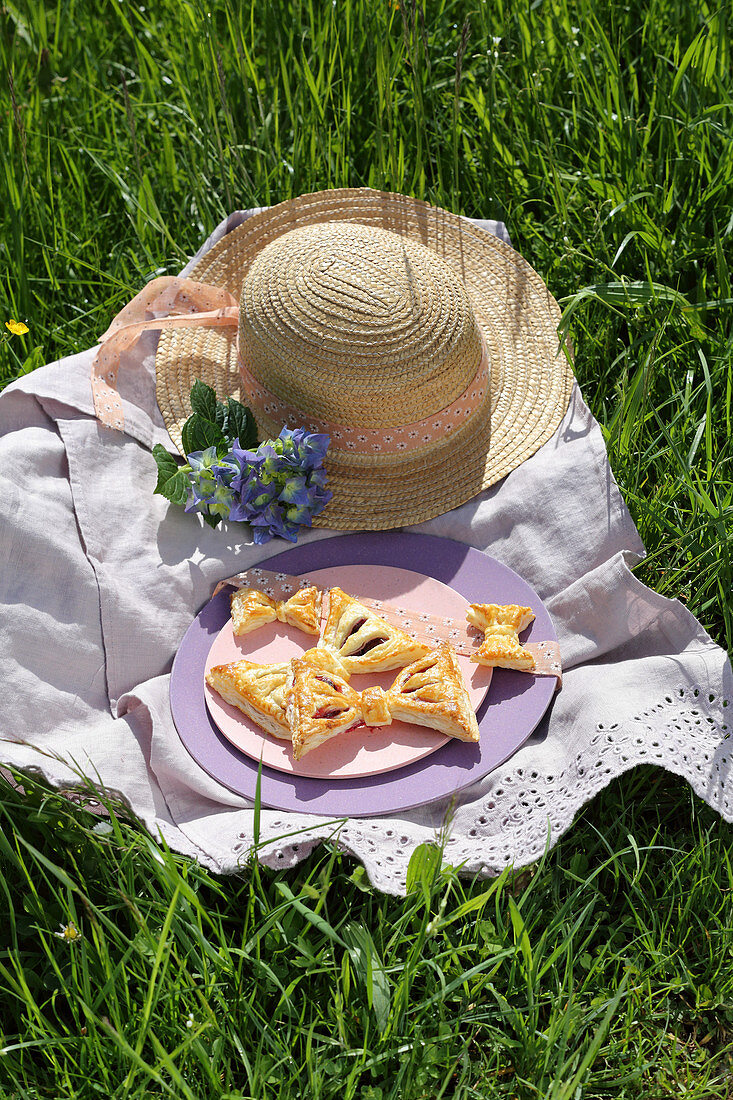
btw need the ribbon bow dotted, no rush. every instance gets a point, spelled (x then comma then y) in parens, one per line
(185, 301)
(252, 608)
(429, 692)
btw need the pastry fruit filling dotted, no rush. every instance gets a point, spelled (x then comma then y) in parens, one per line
(327, 680)
(367, 646)
(329, 712)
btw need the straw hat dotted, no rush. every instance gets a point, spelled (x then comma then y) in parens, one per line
(425, 346)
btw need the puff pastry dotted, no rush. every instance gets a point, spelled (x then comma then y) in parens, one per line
(429, 692)
(362, 639)
(320, 702)
(252, 608)
(501, 625)
(432, 692)
(323, 660)
(259, 691)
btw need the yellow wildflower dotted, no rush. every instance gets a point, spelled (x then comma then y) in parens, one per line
(18, 328)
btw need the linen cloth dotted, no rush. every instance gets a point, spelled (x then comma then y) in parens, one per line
(100, 580)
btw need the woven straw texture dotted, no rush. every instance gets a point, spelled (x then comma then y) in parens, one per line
(371, 315)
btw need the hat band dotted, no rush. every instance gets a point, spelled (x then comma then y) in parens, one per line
(372, 441)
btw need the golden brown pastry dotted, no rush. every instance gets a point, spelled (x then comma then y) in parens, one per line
(429, 692)
(252, 608)
(261, 691)
(257, 690)
(362, 640)
(324, 660)
(501, 625)
(320, 702)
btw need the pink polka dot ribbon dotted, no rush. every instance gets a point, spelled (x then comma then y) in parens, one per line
(172, 302)
(373, 441)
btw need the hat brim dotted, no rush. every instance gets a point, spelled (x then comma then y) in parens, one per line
(531, 377)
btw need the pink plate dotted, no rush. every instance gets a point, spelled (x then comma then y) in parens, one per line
(359, 752)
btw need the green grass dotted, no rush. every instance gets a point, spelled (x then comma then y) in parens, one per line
(600, 133)
(605, 969)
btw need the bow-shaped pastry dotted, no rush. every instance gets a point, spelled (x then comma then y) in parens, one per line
(501, 625)
(430, 692)
(252, 608)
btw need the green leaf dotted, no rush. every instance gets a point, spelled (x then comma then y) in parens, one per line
(221, 418)
(521, 938)
(172, 480)
(186, 439)
(257, 808)
(212, 521)
(424, 865)
(34, 360)
(203, 401)
(241, 424)
(479, 902)
(205, 427)
(199, 433)
(318, 922)
(571, 1085)
(368, 965)
(361, 881)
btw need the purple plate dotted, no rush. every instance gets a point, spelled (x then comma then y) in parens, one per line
(511, 710)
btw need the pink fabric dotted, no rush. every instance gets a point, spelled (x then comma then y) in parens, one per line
(426, 628)
(167, 302)
(546, 659)
(373, 440)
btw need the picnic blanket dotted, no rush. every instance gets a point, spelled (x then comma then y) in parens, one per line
(101, 579)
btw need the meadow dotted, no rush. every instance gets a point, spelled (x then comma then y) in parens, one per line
(601, 134)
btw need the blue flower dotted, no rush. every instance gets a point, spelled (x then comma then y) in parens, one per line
(243, 461)
(220, 503)
(277, 487)
(239, 513)
(317, 478)
(225, 470)
(197, 501)
(200, 461)
(295, 491)
(299, 514)
(307, 448)
(267, 523)
(202, 480)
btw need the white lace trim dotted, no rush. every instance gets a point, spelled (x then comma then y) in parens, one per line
(523, 805)
(688, 732)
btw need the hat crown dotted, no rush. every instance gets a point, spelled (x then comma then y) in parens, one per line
(357, 325)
